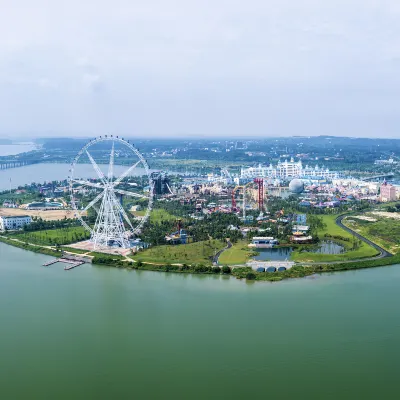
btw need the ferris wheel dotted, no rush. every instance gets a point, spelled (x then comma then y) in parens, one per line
(113, 226)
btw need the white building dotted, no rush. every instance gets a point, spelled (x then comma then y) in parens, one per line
(14, 222)
(287, 169)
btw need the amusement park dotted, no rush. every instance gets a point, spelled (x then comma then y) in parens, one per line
(112, 208)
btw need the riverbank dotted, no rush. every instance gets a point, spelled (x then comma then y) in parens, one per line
(239, 272)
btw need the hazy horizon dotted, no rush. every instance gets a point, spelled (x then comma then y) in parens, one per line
(28, 138)
(223, 69)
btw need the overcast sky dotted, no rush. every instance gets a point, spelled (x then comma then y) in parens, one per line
(200, 67)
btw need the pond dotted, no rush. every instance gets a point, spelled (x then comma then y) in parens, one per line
(327, 247)
(274, 253)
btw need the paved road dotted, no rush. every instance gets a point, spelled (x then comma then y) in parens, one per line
(217, 255)
(382, 252)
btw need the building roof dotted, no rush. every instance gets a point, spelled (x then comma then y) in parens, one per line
(14, 216)
(301, 227)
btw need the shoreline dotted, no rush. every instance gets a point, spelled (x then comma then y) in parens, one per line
(245, 273)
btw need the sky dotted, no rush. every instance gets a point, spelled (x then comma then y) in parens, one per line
(201, 68)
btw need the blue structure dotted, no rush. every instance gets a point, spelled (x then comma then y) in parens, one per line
(301, 219)
(178, 237)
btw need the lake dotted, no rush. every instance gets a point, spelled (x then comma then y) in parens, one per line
(104, 333)
(16, 148)
(40, 173)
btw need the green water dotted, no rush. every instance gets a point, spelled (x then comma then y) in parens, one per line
(104, 333)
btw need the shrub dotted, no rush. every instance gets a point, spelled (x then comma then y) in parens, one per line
(226, 270)
(250, 276)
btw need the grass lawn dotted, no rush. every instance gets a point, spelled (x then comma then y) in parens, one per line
(332, 228)
(157, 215)
(239, 253)
(363, 251)
(50, 237)
(192, 253)
(385, 232)
(73, 250)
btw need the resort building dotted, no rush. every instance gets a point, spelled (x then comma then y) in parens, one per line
(288, 169)
(14, 222)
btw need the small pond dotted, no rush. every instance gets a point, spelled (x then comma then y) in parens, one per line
(273, 254)
(326, 247)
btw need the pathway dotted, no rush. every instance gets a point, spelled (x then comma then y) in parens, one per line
(217, 255)
(382, 252)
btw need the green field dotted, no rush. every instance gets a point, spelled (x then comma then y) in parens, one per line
(157, 215)
(199, 252)
(239, 253)
(51, 237)
(363, 251)
(385, 232)
(73, 250)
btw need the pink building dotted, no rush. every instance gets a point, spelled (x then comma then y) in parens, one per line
(388, 192)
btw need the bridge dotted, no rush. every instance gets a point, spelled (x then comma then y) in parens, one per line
(378, 177)
(277, 265)
(13, 164)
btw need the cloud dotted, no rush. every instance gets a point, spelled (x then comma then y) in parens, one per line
(93, 82)
(261, 67)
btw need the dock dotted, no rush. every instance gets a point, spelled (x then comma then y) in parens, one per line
(72, 262)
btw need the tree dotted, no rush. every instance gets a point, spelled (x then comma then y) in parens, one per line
(250, 276)
(226, 269)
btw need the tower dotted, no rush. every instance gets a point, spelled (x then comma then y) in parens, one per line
(260, 183)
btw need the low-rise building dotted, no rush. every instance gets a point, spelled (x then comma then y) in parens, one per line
(388, 192)
(263, 242)
(14, 222)
(300, 229)
(301, 239)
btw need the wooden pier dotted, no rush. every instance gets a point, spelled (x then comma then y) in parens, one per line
(72, 262)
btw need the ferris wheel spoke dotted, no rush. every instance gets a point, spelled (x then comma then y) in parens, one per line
(131, 194)
(93, 202)
(88, 183)
(125, 174)
(96, 168)
(122, 211)
(111, 165)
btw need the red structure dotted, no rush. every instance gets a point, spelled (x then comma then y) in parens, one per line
(233, 201)
(260, 183)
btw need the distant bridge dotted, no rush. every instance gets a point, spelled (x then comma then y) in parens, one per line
(378, 177)
(13, 164)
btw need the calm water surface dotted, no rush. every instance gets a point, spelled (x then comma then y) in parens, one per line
(17, 148)
(274, 253)
(327, 247)
(40, 173)
(104, 333)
